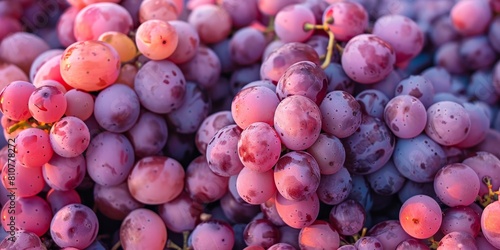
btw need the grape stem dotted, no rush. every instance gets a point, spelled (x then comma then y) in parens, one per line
(331, 39)
(172, 245)
(270, 25)
(329, 50)
(434, 243)
(491, 196)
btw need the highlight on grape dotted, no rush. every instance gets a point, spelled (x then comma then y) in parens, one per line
(250, 124)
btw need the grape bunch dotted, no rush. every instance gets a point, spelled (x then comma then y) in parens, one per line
(248, 125)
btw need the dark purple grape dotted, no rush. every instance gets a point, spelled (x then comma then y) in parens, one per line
(335, 188)
(372, 102)
(348, 217)
(261, 232)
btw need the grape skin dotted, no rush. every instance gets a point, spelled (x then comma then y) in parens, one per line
(297, 175)
(489, 227)
(145, 225)
(156, 39)
(420, 216)
(259, 147)
(14, 100)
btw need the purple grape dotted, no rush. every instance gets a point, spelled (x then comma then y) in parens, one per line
(372, 102)
(298, 214)
(187, 118)
(22, 240)
(202, 184)
(461, 219)
(368, 243)
(335, 188)
(494, 33)
(479, 126)
(448, 123)
(236, 211)
(412, 244)
(361, 191)
(337, 78)
(58, 199)
(477, 53)
(329, 153)
(115, 202)
(406, 116)
(448, 57)
(387, 180)
(456, 240)
(203, 69)
(412, 188)
(209, 127)
(222, 151)
(269, 211)
(419, 87)
(181, 214)
(481, 87)
(297, 176)
(486, 165)
(74, 225)
(348, 217)
(341, 114)
(149, 135)
(439, 77)
(117, 108)
(63, 173)
(389, 233)
(319, 235)
(244, 75)
(238, 46)
(261, 232)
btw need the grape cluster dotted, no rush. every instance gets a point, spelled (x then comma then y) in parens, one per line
(248, 125)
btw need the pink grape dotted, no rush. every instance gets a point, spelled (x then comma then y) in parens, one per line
(272, 7)
(389, 233)
(168, 83)
(213, 234)
(222, 151)
(367, 58)
(255, 187)
(80, 104)
(448, 123)
(297, 175)
(259, 147)
(69, 137)
(22, 240)
(110, 158)
(156, 39)
(238, 46)
(319, 235)
(181, 214)
(412, 244)
(489, 227)
(456, 185)
(298, 214)
(117, 108)
(297, 121)
(486, 165)
(329, 152)
(210, 126)
(10, 25)
(406, 116)
(21, 49)
(26, 181)
(461, 219)
(420, 216)
(457, 239)
(149, 134)
(471, 17)
(261, 232)
(33, 148)
(51, 70)
(9, 73)
(52, 83)
(156, 179)
(41, 60)
(47, 104)
(368, 243)
(64, 174)
(341, 114)
(290, 22)
(14, 100)
(269, 211)
(66, 26)
(115, 202)
(58, 199)
(95, 19)
(188, 42)
(255, 104)
(32, 214)
(164, 10)
(349, 19)
(90, 65)
(400, 31)
(212, 22)
(143, 228)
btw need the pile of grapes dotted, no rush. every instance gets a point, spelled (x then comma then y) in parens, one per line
(250, 124)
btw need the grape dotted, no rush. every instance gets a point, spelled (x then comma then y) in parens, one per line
(261, 232)
(164, 10)
(347, 217)
(58, 199)
(259, 147)
(210, 126)
(10, 73)
(481, 87)
(33, 148)
(443, 31)
(290, 22)
(388, 84)
(448, 123)
(188, 42)
(236, 211)
(156, 39)
(281, 246)
(461, 219)
(456, 185)
(412, 244)
(471, 17)
(448, 57)
(270, 212)
(319, 235)
(337, 78)
(346, 19)
(372, 102)
(64, 174)
(22, 240)
(419, 87)
(115, 202)
(297, 175)
(370, 147)
(255, 104)
(123, 44)
(222, 151)
(213, 234)
(406, 116)
(320, 45)
(367, 59)
(241, 13)
(204, 68)
(402, 33)
(143, 228)
(420, 216)
(117, 108)
(329, 153)
(361, 191)
(335, 188)
(79, 104)
(275, 64)
(389, 233)
(272, 7)
(41, 60)
(160, 86)
(10, 25)
(255, 187)
(457, 240)
(341, 114)
(477, 53)
(303, 78)
(387, 180)
(47, 104)
(14, 100)
(50, 70)
(156, 180)
(32, 214)
(368, 243)
(273, 45)
(149, 135)
(221, 49)
(66, 25)
(483, 243)
(493, 33)
(110, 158)
(127, 74)
(297, 121)
(180, 214)
(27, 181)
(212, 22)
(21, 49)
(69, 137)
(90, 65)
(412, 188)
(478, 128)
(244, 75)
(347, 247)
(298, 214)
(485, 164)
(489, 228)
(239, 44)
(95, 19)
(188, 117)
(202, 184)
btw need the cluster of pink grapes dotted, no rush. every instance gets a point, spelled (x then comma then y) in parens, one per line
(250, 124)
